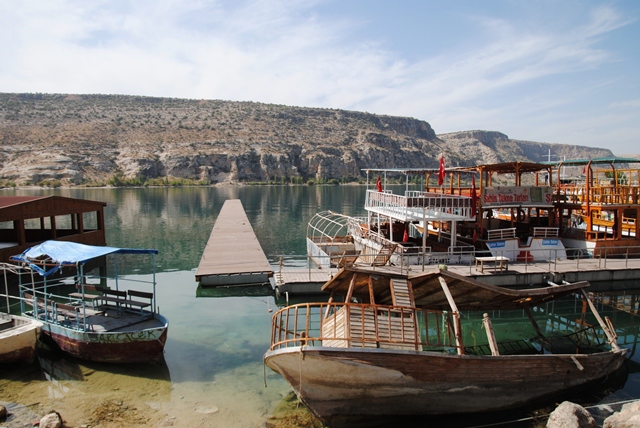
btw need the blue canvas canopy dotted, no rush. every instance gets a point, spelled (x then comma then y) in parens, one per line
(67, 253)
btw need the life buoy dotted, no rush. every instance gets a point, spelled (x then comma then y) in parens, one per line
(520, 216)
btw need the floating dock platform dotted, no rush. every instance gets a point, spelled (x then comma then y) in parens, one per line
(233, 255)
(301, 280)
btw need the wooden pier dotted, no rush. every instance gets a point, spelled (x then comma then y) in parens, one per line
(233, 255)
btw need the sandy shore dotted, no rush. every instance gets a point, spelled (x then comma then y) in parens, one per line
(101, 399)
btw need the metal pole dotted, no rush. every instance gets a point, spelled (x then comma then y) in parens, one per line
(424, 234)
(6, 289)
(115, 268)
(154, 280)
(80, 270)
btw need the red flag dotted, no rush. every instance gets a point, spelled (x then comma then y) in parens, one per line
(441, 171)
(474, 197)
(405, 237)
(379, 184)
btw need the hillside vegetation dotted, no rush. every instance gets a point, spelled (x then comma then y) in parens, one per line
(112, 139)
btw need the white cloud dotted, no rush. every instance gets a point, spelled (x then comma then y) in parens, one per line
(510, 77)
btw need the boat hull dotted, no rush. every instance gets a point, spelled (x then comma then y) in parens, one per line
(18, 343)
(132, 346)
(373, 382)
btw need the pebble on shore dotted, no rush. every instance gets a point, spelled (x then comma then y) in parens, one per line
(51, 420)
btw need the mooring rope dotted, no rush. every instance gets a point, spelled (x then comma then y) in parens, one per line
(264, 373)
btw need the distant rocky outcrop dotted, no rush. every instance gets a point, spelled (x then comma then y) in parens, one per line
(90, 139)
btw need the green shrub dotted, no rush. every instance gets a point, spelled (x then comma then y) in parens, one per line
(50, 182)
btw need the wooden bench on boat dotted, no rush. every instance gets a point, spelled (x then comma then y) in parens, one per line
(92, 296)
(500, 262)
(61, 312)
(109, 295)
(73, 313)
(131, 299)
(38, 304)
(137, 303)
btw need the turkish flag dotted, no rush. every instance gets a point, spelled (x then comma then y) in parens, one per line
(379, 184)
(441, 171)
(405, 237)
(474, 197)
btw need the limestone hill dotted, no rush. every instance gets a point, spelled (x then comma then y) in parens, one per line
(90, 139)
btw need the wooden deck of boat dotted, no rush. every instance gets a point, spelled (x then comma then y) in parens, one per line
(112, 321)
(233, 255)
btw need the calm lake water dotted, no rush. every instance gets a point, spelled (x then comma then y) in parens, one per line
(213, 373)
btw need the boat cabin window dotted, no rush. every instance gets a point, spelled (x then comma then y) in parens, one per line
(90, 220)
(8, 235)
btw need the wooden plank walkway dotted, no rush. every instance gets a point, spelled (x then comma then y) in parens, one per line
(233, 255)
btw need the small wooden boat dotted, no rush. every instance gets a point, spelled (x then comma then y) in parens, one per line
(102, 321)
(18, 338)
(395, 345)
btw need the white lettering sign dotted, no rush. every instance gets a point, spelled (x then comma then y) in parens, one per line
(517, 195)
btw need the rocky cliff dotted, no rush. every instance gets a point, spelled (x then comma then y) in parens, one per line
(90, 139)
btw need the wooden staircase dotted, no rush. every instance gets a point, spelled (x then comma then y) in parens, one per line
(400, 293)
(383, 256)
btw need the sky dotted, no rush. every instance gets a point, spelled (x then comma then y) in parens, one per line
(553, 71)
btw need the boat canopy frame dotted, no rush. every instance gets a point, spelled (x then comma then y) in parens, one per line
(51, 256)
(328, 226)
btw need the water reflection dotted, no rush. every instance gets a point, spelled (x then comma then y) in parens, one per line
(235, 291)
(178, 221)
(58, 368)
